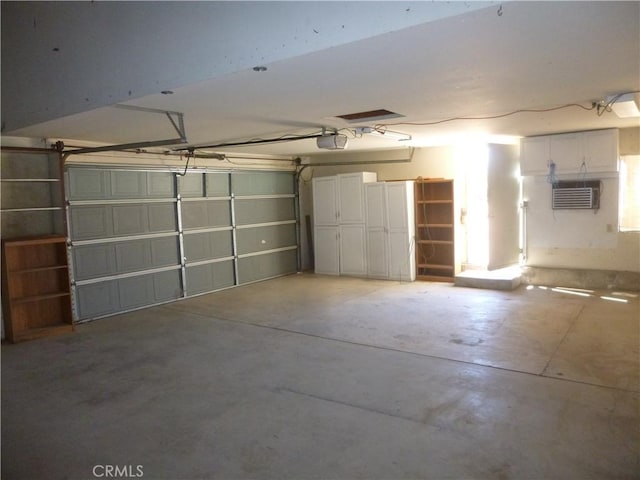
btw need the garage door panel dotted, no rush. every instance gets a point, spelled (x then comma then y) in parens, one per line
(209, 277)
(223, 274)
(135, 292)
(128, 184)
(217, 184)
(260, 267)
(264, 210)
(93, 261)
(206, 213)
(130, 220)
(165, 251)
(251, 240)
(207, 245)
(219, 213)
(97, 299)
(167, 286)
(132, 256)
(160, 185)
(89, 222)
(199, 279)
(262, 183)
(113, 258)
(162, 217)
(85, 184)
(191, 185)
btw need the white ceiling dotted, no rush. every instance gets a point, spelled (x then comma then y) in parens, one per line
(488, 62)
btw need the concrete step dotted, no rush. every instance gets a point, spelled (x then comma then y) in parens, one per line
(501, 279)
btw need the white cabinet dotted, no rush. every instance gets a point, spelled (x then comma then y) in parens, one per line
(340, 199)
(351, 196)
(566, 152)
(363, 227)
(572, 153)
(534, 156)
(600, 150)
(390, 230)
(377, 232)
(353, 260)
(339, 223)
(327, 250)
(325, 201)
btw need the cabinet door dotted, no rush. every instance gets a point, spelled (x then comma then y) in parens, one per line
(351, 198)
(401, 257)
(377, 253)
(601, 150)
(398, 206)
(353, 250)
(566, 152)
(376, 227)
(534, 156)
(325, 201)
(326, 248)
(401, 231)
(375, 205)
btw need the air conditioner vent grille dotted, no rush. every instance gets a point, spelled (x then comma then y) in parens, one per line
(569, 196)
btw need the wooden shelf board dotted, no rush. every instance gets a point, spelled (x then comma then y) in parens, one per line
(436, 242)
(435, 202)
(25, 241)
(435, 278)
(37, 298)
(434, 225)
(435, 266)
(433, 180)
(39, 269)
(34, 333)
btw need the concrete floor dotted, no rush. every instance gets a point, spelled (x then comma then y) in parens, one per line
(317, 377)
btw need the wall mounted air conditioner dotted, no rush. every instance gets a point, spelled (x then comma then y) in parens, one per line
(570, 195)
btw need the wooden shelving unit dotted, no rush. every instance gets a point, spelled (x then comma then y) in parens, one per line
(35, 287)
(435, 252)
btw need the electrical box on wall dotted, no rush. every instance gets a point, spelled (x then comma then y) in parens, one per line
(578, 194)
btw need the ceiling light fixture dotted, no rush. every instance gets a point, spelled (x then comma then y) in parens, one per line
(259, 68)
(383, 133)
(625, 105)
